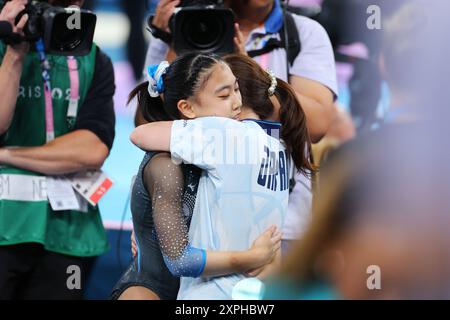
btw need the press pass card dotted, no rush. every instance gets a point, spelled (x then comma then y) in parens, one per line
(61, 195)
(91, 185)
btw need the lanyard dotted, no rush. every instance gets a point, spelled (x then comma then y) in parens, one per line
(74, 91)
(45, 68)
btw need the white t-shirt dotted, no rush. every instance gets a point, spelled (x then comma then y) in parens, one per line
(315, 62)
(243, 189)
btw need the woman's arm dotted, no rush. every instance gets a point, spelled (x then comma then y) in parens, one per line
(268, 270)
(263, 252)
(189, 141)
(164, 181)
(249, 261)
(153, 136)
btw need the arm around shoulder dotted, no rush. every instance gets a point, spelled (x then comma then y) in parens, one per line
(153, 136)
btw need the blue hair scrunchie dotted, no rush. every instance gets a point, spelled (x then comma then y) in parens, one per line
(155, 78)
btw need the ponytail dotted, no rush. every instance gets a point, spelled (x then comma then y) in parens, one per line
(180, 81)
(256, 87)
(294, 130)
(151, 109)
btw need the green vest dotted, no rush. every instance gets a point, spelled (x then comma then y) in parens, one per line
(32, 220)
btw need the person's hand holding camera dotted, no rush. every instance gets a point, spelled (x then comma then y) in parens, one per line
(159, 22)
(9, 13)
(239, 41)
(164, 11)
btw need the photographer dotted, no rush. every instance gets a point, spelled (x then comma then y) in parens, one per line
(40, 139)
(312, 74)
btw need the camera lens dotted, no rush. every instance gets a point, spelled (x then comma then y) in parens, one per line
(203, 31)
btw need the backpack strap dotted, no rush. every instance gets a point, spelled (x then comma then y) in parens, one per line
(294, 45)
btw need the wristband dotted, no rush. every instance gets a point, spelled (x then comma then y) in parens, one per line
(157, 32)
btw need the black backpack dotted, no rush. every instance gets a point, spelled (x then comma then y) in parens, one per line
(294, 45)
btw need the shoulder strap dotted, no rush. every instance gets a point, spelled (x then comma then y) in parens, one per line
(294, 45)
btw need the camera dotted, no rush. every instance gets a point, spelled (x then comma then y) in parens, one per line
(204, 26)
(65, 31)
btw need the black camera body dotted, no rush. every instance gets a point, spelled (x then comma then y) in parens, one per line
(204, 26)
(65, 31)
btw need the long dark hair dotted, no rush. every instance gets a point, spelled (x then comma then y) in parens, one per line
(254, 83)
(183, 78)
